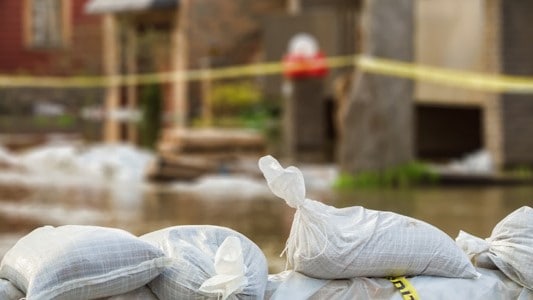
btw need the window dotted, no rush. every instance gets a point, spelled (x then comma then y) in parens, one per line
(47, 23)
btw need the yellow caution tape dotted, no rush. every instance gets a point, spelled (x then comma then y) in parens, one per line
(443, 76)
(405, 288)
(259, 69)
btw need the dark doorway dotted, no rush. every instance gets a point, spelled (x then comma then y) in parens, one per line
(444, 132)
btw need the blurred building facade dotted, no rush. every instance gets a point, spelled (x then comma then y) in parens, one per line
(120, 37)
(170, 36)
(48, 38)
(488, 36)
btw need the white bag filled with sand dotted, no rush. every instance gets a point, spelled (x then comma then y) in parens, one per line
(509, 247)
(80, 262)
(491, 285)
(330, 243)
(142, 293)
(209, 262)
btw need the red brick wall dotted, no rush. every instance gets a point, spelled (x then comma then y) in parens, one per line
(83, 56)
(13, 55)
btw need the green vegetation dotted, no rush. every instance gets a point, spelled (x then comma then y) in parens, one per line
(522, 172)
(61, 122)
(65, 121)
(240, 104)
(233, 98)
(411, 174)
(150, 124)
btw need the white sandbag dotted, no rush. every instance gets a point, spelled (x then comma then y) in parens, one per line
(80, 262)
(8, 291)
(509, 247)
(208, 262)
(142, 293)
(492, 284)
(293, 285)
(330, 243)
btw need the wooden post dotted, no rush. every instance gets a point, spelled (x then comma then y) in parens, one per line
(131, 66)
(66, 26)
(179, 64)
(111, 68)
(28, 23)
(294, 7)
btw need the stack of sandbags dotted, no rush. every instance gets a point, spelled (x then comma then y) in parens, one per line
(509, 247)
(89, 262)
(80, 262)
(330, 243)
(492, 284)
(208, 262)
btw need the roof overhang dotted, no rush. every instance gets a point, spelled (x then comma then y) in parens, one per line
(123, 6)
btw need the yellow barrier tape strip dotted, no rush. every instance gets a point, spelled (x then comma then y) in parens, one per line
(462, 79)
(406, 289)
(443, 76)
(102, 81)
(260, 69)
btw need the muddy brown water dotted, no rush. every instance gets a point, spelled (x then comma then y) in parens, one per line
(262, 217)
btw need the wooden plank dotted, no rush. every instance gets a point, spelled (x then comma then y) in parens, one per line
(215, 138)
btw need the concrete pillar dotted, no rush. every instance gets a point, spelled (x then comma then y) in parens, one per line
(379, 117)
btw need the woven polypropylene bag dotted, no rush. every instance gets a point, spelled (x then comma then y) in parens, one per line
(8, 291)
(193, 250)
(330, 243)
(492, 285)
(509, 247)
(142, 293)
(80, 262)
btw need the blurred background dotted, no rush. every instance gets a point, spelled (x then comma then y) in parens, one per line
(147, 114)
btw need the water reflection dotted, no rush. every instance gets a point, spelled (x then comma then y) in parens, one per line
(258, 214)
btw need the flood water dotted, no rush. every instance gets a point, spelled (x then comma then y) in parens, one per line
(243, 204)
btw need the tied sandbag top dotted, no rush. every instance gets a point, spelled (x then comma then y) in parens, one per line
(509, 247)
(230, 270)
(287, 184)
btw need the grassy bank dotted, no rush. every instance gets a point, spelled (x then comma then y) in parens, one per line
(407, 175)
